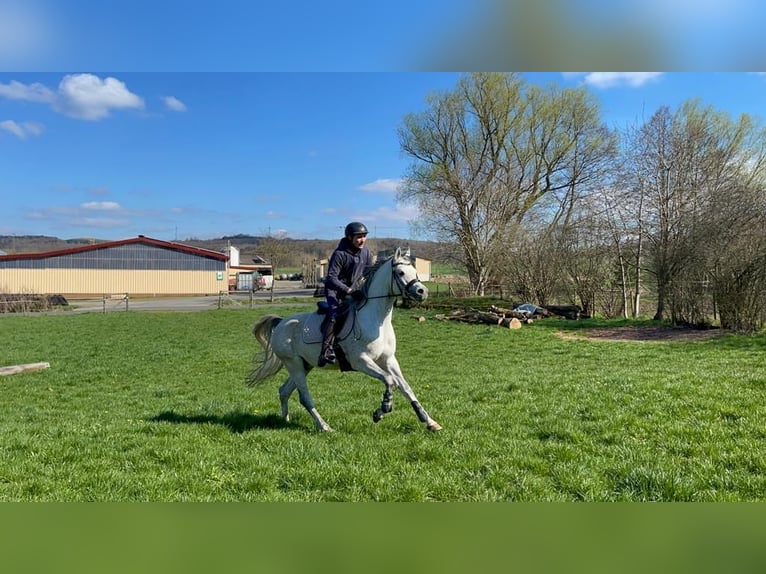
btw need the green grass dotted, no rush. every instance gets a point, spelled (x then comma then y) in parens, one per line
(447, 269)
(152, 406)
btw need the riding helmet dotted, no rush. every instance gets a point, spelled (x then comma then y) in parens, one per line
(356, 228)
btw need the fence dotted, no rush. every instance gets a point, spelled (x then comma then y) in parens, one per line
(115, 300)
(225, 298)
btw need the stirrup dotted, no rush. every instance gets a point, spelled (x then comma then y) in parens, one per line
(326, 358)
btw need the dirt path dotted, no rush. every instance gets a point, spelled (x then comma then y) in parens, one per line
(642, 334)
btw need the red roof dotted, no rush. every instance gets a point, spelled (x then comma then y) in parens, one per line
(140, 239)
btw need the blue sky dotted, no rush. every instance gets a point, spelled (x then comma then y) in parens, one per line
(182, 155)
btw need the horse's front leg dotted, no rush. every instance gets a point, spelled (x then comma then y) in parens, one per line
(386, 405)
(393, 366)
(366, 365)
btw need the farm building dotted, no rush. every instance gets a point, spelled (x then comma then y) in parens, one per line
(140, 266)
(247, 277)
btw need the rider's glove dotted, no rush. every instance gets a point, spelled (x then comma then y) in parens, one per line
(357, 295)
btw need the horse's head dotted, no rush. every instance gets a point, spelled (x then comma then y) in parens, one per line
(405, 277)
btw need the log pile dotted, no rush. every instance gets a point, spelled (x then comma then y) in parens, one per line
(566, 311)
(513, 320)
(507, 318)
(27, 302)
(511, 313)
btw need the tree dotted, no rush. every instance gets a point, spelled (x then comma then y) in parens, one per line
(275, 249)
(488, 152)
(681, 161)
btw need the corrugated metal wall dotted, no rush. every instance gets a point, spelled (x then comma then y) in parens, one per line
(132, 256)
(136, 269)
(97, 282)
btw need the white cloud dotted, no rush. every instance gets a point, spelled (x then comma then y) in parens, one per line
(22, 130)
(88, 97)
(30, 93)
(174, 104)
(382, 185)
(82, 96)
(101, 206)
(400, 213)
(617, 79)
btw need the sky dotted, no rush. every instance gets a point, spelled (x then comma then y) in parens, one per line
(180, 119)
(176, 156)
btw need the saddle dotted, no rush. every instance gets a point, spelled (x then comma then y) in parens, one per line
(312, 330)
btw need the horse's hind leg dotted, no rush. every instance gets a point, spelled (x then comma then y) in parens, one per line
(284, 396)
(308, 403)
(298, 380)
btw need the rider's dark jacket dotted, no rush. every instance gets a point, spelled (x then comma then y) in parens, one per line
(346, 266)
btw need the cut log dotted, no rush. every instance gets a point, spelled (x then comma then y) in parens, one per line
(13, 369)
(567, 311)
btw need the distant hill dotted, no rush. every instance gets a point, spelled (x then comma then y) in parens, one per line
(40, 243)
(299, 251)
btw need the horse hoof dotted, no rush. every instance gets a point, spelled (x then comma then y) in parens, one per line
(376, 416)
(434, 426)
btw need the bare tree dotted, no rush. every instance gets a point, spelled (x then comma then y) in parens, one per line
(681, 164)
(488, 152)
(275, 249)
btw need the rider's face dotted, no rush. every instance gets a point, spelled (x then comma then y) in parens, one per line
(358, 240)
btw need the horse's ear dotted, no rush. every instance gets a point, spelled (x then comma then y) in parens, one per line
(407, 253)
(398, 254)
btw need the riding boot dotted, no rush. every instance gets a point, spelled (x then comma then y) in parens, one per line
(327, 355)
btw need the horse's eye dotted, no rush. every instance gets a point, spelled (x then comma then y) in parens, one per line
(401, 273)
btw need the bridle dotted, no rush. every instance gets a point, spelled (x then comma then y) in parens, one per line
(404, 291)
(404, 288)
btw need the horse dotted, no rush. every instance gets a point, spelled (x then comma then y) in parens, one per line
(366, 342)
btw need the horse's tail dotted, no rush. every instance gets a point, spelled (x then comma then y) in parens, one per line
(266, 364)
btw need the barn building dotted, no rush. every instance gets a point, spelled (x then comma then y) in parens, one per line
(248, 276)
(140, 266)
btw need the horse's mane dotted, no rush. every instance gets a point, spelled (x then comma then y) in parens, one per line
(364, 280)
(372, 269)
(368, 272)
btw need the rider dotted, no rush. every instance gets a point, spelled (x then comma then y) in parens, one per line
(346, 266)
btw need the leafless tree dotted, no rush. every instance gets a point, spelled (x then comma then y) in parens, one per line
(488, 152)
(275, 249)
(680, 159)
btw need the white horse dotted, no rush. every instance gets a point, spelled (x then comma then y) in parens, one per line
(367, 341)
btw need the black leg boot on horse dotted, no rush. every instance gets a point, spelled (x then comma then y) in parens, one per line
(327, 355)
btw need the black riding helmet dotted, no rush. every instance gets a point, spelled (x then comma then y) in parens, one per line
(356, 228)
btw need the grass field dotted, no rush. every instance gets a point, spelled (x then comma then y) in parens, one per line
(152, 406)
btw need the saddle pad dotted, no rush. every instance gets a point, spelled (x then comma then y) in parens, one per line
(312, 329)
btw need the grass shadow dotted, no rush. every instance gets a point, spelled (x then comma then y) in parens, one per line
(236, 422)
